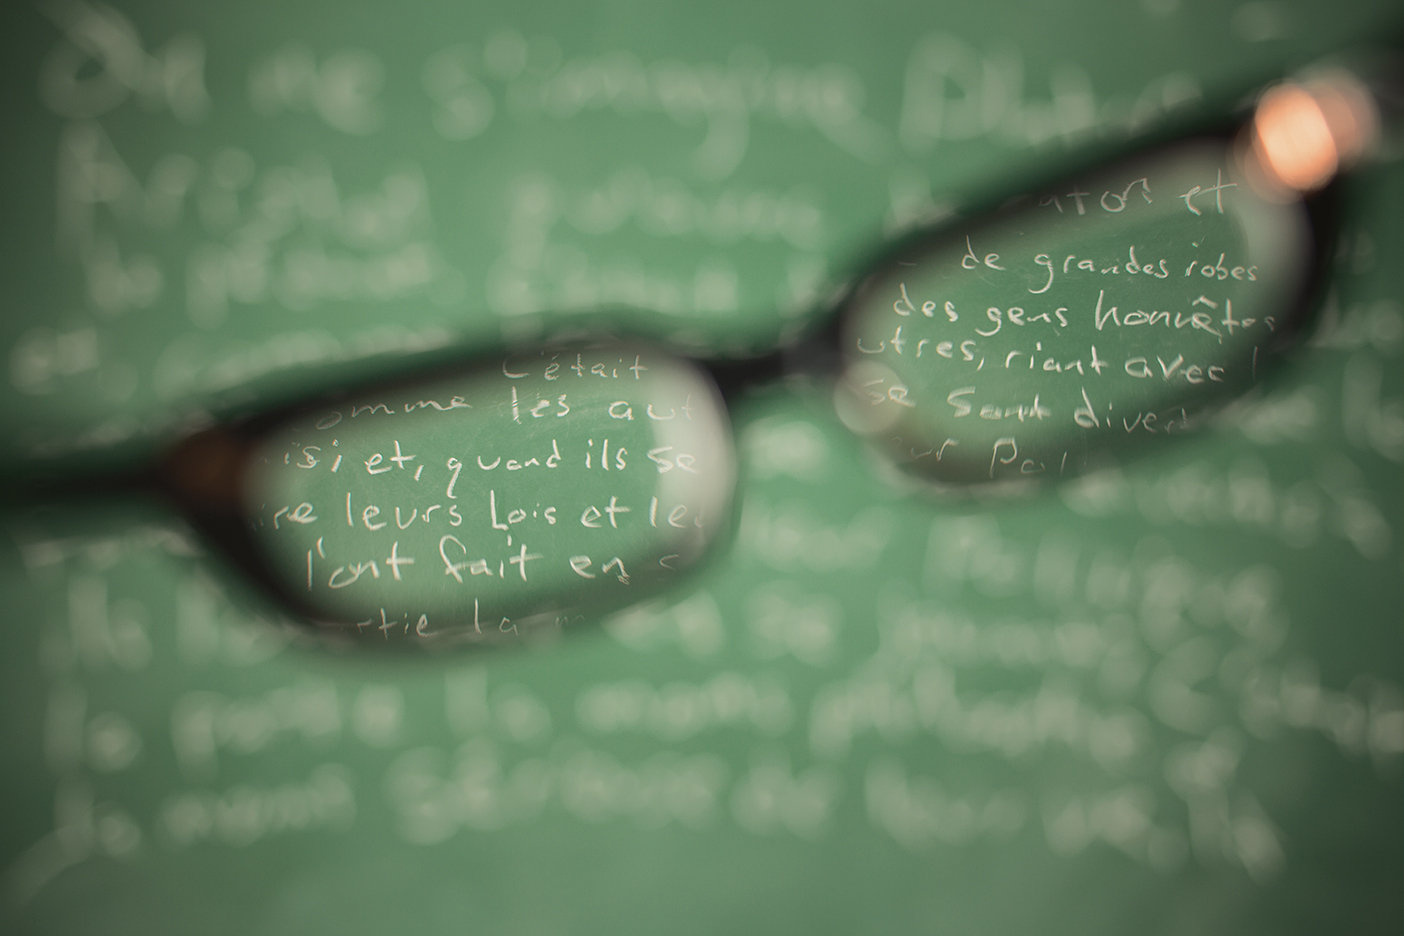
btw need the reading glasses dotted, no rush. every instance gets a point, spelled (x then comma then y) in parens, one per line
(1107, 311)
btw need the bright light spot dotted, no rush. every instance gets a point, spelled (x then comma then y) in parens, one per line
(1304, 133)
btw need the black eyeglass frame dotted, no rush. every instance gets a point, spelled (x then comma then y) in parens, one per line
(200, 475)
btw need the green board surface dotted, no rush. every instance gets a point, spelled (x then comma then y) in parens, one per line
(1166, 696)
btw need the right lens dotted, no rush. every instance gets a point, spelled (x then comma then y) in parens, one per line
(1106, 315)
(476, 508)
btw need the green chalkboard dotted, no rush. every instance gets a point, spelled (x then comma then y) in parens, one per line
(1161, 693)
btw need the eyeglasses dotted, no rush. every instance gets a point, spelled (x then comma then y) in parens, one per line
(514, 495)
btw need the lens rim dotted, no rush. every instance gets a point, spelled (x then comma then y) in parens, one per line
(1300, 308)
(207, 477)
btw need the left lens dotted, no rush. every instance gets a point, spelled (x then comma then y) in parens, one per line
(481, 507)
(1105, 316)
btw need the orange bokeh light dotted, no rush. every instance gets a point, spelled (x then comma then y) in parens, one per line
(1304, 133)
